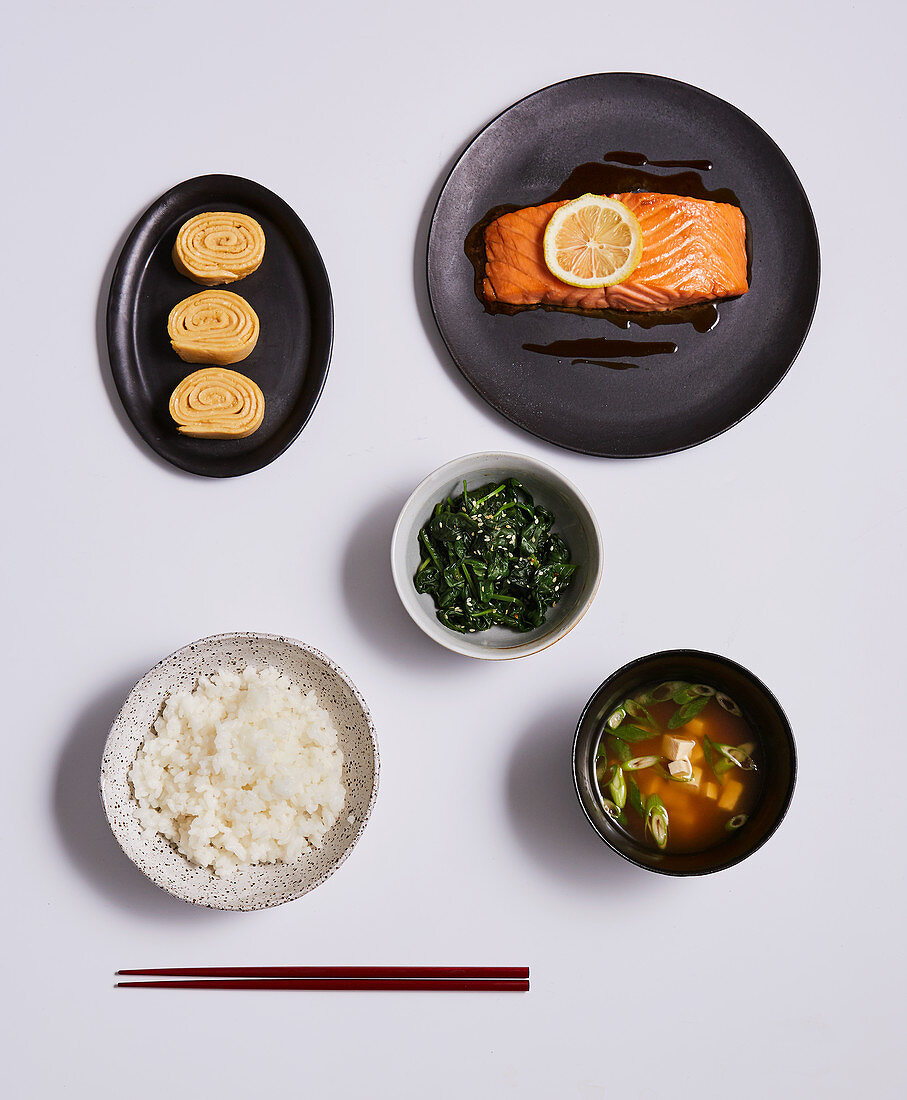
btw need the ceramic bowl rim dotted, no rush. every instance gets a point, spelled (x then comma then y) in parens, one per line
(321, 658)
(462, 643)
(680, 654)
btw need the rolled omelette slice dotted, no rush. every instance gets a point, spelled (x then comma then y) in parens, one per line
(213, 326)
(216, 403)
(219, 247)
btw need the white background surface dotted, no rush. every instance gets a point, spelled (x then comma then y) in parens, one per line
(779, 544)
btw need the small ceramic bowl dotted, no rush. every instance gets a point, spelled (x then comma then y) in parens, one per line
(760, 708)
(574, 521)
(257, 887)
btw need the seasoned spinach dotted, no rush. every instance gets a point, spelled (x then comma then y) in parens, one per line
(490, 558)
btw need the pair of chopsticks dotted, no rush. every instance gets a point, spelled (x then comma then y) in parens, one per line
(436, 979)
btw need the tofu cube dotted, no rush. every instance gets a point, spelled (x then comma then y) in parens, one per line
(680, 769)
(697, 755)
(695, 725)
(674, 748)
(711, 790)
(730, 795)
(692, 783)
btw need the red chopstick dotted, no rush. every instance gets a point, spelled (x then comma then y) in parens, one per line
(440, 979)
(385, 972)
(445, 985)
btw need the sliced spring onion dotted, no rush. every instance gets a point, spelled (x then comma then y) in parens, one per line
(616, 718)
(737, 755)
(610, 809)
(618, 748)
(638, 710)
(735, 822)
(640, 762)
(601, 769)
(663, 692)
(728, 703)
(632, 733)
(707, 749)
(684, 695)
(634, 797)
(742, 758)
(657, 820)
(718, 766)
(618, 787)
(702, 689)
(689, 710)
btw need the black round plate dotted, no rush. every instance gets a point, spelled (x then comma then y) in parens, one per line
(669, 402)
(290, 293)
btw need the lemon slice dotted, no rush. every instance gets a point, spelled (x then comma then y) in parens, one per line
(592, 241)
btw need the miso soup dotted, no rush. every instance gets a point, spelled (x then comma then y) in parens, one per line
(678, 767)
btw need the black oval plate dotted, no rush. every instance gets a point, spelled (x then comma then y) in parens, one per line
(290, 293)
(669, 402)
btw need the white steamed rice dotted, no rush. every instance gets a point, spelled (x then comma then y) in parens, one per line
(244, 769)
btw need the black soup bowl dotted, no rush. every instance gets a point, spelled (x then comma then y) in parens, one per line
(761, 710)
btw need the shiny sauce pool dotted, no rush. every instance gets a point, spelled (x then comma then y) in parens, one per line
(640, 159)
(600, 352)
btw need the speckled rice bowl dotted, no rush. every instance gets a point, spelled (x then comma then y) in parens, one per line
(265, 884)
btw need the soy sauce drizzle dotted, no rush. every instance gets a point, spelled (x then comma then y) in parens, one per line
(600, 350)
(608, 179)
(604, 363)
(640, 159)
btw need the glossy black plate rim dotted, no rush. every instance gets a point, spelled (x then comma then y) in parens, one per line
(124, 282)
(498, 406)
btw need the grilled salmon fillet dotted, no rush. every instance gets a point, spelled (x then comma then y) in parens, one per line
(693, 250)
